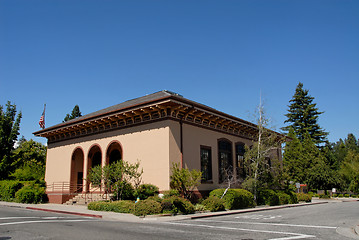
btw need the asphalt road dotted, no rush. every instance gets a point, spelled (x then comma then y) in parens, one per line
(310, 222)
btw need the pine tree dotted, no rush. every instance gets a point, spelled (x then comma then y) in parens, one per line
(303, 116)
(74, 114)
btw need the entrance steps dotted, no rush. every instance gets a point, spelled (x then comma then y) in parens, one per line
(86, 198)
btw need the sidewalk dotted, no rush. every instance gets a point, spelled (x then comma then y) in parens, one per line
(81, 210)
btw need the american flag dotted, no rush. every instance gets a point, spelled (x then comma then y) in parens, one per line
(42, 119)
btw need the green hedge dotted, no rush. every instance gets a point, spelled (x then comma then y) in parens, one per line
(176, 205)
(214, 204)
(235, 198)
(147, 207)
(31, 194)
(146, 190)
(8, 188)
(303, 197)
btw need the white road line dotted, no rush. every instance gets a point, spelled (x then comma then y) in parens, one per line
(296, 235)
(45, 221)
(272, 224)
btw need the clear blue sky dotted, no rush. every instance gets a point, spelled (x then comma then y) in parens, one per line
(218, 53)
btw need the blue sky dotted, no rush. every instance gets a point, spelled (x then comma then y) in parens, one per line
(218, 53)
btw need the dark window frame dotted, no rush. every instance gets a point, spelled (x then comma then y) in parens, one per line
(206, 178)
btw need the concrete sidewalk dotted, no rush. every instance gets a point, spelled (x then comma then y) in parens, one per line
(81, 210)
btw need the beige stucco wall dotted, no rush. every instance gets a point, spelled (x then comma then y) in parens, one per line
(195, 137)
(147, 143)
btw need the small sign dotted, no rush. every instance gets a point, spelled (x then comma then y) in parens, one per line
(334, 190)
(297, 185)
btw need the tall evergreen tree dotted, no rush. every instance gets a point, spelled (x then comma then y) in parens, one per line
(74, 114)
(303, 116)
(9, 130)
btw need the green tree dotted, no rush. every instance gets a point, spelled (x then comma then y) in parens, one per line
(116, 177)
(185, 181)
(74, 114)
(303, 116)
(29, 160)
(9, 130)
(350, 171)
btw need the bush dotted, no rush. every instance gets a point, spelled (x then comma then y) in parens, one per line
(335, 195)
(170, 193)
(324, 196)
(155, 198)
(123, 206)
(268, 197)
(146, 190)
(283, 198)
(293, 197)
(100, 206)
(30, 194)
(235, 198)
(128, 193)
(214, 204)
(176, 205)
(147, 207)
(340, 195)
(303, 197)
(8, 188)
(346, 195)
(199, 208)
(353, 196)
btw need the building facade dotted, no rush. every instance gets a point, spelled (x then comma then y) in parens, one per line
(157, 130)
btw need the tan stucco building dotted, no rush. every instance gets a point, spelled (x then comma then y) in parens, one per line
(158, 129)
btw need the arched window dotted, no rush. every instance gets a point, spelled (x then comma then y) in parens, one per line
(225, 159)
(206, 163)
(240, 150)
(94, 156)
(114, 153)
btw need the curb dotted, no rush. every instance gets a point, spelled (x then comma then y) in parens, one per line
(65, 212)
(254, 210)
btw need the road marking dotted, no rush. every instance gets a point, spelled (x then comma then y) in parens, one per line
(46, 221)
(256, 217)
(272, 224)
(296, 235)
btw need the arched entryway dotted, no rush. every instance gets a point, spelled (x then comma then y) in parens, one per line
(94, 159)
(114, 152)
(77, 170)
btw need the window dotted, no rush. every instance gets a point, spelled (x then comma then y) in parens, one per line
(240, 150)
(206, 164)
(225, 160)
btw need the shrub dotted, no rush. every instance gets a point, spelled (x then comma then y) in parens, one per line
(340, 195)
(147, 207)
(8, 188)
(268, 197)
(346, 195)
(30, 194)
(214, 204)
(353, 196)
(199, 207)
(126, 192)
(283, 198)
(146, 190)
(293, 197)
(155, 198)
(335, 195)
(235, 198)
(303, 197)
(99, 206)
(325, 196)
(123, 206)
(170, 193)
(176, 204)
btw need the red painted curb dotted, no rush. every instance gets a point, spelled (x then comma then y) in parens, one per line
(65, 212)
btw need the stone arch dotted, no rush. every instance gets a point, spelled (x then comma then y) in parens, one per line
(77, 170)
(114, 152)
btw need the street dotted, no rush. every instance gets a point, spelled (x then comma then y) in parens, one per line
(322, 221)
